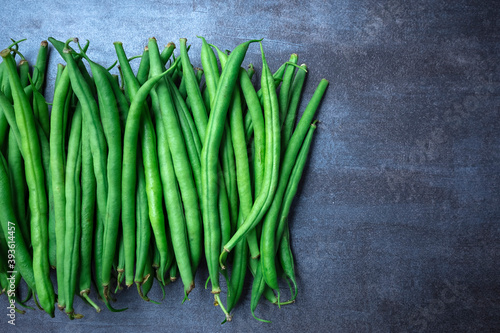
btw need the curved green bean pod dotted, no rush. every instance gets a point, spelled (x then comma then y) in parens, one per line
(57, 167)
(272, 160)
(87, 219)
(36, 185)
(284, 94)
(285, 256)
(143, 70)
(111, 127)
(73, 211)
(131, 134)
(18, 184)
(291, 115)
(40, 65)
(9, 224)
(268, 241)
(143, 233)
(182, 167)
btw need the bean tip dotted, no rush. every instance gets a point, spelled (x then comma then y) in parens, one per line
(4, 52)
(44, 43)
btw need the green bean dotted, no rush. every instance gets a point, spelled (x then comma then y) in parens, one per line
(182, 86)
(152, 172)
(296, 92)
(248, 128)
(193, 90)
(291, 177)
(97, 254)
(143, 233)
(176, 219)
(143, 70)
(284, 94)
(35, 181)
(57, 167)
(258, 288)
(18, 183)
(40, 66)
(5, 84)
(87, 219)
(272, 158)
(148, 280)
(167, 53)
(293, 183)
(278, 75)
(286, 259)
(60, 69)
(242, 166)
(174, 270)
(201, 120)
(182, 167)
(98, 145)
(4, 126)
(24, 71)
(41, 110)
(73, 212)
(238, 271)
(112, 131)
(227, 151)
(229, 172)
(193, 144)
(10, 115)
(120, 266)
(61, 46)
(253, 265)
(227, 155)
(129, 175)
(282, 233)
(121, 99)
(209, 163)
(151, 168)
(257, 119)
(45, 151)
(10, 227)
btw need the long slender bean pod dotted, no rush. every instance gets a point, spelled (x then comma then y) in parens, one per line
(143, 233)
(73, 212)
(98, 145)
(268, 241)
(291, 115)
(111, 126)
(272, 160)
(8, 223)
(36, 185)
(87, 220)
(57, 166)
(129, 176)
(284, 94)
(40, 66)
(143, 70)
(18, 184)
(183, 170)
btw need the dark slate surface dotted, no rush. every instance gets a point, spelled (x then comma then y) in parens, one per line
(396, 226)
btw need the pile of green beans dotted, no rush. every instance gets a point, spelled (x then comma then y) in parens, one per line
(149, 175)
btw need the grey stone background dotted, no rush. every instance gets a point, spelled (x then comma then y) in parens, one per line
(396, 223)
